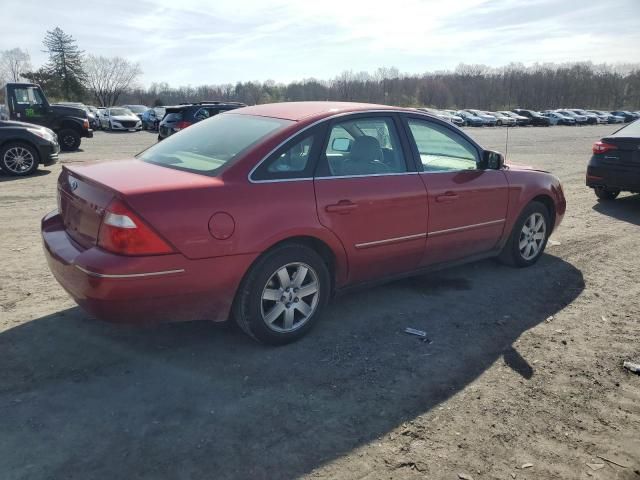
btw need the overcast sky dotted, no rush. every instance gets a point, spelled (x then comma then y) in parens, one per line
(196, 42)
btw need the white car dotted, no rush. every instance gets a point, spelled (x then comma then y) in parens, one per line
(118, 118)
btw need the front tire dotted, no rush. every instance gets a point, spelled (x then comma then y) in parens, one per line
(605, 194)
(528, 238)
(283, 295)
(69, 140)
(19, 159)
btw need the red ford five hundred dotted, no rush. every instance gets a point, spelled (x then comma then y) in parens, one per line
(264, 212)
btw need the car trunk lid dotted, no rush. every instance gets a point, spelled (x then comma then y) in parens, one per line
(85, 191)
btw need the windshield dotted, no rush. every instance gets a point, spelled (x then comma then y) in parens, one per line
(120, 111)
(208, 145)
(137, 108)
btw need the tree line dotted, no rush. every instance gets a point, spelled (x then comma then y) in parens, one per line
(544, 86)
(72, 75)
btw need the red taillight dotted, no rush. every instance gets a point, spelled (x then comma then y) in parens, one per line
(603, 147)
(182, 124)
(125, 233)
(85, 124)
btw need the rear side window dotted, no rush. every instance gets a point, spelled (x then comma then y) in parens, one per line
(207, 146)
(173, 117)
(631, 130)
(294, 160)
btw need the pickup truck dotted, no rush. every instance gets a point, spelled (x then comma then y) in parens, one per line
(26, 102)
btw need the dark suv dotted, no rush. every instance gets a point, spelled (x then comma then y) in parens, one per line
(179, 117)
(534, 117)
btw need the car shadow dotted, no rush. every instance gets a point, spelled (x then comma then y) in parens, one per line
(198, 400)
(625, 208)
(9, 178)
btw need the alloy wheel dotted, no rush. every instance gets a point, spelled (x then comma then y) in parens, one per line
(290, 297)
(18, 160)
(532, 236)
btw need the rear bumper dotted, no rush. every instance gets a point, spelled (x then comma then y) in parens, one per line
(163, 288)
(612, 177)
(87, 133)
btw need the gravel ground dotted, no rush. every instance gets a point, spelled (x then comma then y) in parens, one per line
(522, 378)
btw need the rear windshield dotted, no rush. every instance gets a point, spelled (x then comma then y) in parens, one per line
(631, 130)
(208, 145)
(173, 117)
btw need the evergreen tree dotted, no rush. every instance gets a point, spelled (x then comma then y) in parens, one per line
(65, 63)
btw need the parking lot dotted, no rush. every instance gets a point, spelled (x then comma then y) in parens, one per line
(521, 375)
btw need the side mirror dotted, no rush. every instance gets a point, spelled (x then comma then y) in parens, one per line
(341, 145)
(492, 160)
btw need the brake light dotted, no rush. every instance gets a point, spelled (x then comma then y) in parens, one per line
(85, 124)
(603, 147)
(182, 124)
(125, 233)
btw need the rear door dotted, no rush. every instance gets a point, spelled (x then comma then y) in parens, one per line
(467, 205)
(369, 194)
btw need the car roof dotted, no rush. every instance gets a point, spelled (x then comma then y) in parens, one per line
(311, 110)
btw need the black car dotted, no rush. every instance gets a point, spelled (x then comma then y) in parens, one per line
(23, 146)
(628, 116)
(535, 118)
(179, 117)
(615, 164)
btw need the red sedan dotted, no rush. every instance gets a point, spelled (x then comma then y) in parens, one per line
(263, 213)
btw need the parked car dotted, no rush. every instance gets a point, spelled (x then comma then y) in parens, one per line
(615, 164)
(444, 115)
(489, 120)
(607, 117)
(558, 119)
(196, 228)
(138, 110)
(119, 118)
(580, 119)
(627, 115)
(535, 118)
(27, 102)
(470, 119)
(23, 146)
(90, 113)
(179, 117)
(520, 119)
(592, 118)
(152, 117)
(503, 119)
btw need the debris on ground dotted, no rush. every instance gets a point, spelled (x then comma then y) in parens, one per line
(526, 465)
(553, 243)
(595, 466)
(632, 367)
(549, 319)
(417, 333)
(602, 457)
(465, 476)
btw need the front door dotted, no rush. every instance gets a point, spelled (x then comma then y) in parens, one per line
(28, 105)
(467, 205)
(368, 195)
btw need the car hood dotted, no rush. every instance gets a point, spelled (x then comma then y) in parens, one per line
(69, 111)
(11, 123)
(124, 118)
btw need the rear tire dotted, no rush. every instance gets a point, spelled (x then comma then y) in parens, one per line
(528, 238)
(18, 159)
(69, 140)
(605, 194)
(283, 295)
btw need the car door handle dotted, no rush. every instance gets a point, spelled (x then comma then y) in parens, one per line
(447, 197)
(343, 207)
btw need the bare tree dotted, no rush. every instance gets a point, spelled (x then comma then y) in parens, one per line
(109, 78)
(13, 63)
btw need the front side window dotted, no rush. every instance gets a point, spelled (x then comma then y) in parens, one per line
(364, 146)
(441, 149)
(207, 146)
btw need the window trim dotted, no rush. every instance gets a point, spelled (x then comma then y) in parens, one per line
(398, 114)
(456, 131)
